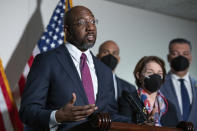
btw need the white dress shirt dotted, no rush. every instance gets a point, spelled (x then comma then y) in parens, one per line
(177, 87)
(75, 54)
(115, 86)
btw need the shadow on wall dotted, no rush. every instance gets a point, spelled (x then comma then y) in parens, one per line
(25, 47)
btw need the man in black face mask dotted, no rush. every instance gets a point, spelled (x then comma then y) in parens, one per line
(109, 55)
(179, 87)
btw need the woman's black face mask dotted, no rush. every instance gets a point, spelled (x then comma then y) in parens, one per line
(152, 83)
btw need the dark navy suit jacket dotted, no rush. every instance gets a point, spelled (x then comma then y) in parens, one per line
(50, 84)
(170, 94)
(169, 119)
(123, 85)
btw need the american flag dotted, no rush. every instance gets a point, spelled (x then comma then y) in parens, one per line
(9, 118)
(52, 37)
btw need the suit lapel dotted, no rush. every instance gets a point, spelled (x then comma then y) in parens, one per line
(194, 99)
(66, 61)
(175, 99)
(100, 80)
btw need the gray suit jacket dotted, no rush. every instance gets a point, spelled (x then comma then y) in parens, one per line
(169, 92)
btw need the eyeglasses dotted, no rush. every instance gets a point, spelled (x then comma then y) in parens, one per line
(84, 22)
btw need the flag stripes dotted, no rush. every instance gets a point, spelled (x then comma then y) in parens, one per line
(9, 112)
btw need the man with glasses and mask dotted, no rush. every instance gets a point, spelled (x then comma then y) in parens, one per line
(109, 55)
(68, 84)
(179, 87)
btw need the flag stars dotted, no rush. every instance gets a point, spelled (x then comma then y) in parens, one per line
(53, 25)
(55, 37)
(60, 42)
(62, 14)
(43, 37)
(44, 48)
(58, 11)
(54, 33)
(52, 45)
(47, 41)
(60, 4)
(50, 33)
(55, 17)
(46, 30)
(62, 34)
(57, 29)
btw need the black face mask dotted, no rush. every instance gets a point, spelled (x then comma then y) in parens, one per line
(180, 63)
(110, 61)
(153, 82)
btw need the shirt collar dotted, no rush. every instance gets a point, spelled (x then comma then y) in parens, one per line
(186, 77)
(76, 53)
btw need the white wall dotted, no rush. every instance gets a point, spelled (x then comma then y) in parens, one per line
(138, 32)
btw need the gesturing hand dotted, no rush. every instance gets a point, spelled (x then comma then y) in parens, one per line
(69, 112)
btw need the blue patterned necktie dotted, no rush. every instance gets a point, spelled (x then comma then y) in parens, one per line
(185, 100)
(87, 79)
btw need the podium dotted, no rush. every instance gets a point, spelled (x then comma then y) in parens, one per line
(102, 122)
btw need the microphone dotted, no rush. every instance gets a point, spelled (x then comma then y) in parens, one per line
(136, 106)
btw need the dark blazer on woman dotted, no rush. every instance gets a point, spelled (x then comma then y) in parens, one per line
(169, 119)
